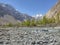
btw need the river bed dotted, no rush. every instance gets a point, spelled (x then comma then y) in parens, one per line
(30, 36)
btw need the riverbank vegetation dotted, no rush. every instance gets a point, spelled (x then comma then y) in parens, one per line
(54, 21)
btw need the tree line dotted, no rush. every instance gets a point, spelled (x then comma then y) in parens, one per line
(33, 22)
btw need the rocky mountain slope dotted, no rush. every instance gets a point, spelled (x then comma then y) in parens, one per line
(10, 14)
(55, 10)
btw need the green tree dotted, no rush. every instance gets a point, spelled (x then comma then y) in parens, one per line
(33, 22)
(57, 18)
(26, 23)
(44, 21)
(18, 24)
(10, 25)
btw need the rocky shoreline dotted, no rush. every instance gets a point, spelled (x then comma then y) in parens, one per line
(29, 36)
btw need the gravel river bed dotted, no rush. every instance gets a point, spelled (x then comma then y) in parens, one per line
(29, 36)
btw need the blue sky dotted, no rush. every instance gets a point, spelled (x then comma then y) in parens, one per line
(31, 7)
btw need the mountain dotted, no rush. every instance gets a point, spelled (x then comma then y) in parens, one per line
(55, 10)
(8, 14)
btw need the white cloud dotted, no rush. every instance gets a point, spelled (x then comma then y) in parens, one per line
(38, 16)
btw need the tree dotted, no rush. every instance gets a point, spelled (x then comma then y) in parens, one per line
(32, 22)
(10, 25)
(57, 18)
(44, 21)
(26, 23)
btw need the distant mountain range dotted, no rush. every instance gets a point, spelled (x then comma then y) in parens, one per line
(8, 14)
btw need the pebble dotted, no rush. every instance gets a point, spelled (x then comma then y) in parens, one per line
(27, 37)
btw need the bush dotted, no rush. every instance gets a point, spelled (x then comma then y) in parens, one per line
(10, 25)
